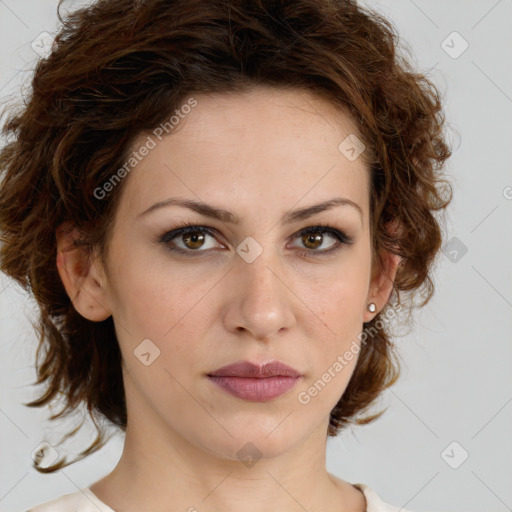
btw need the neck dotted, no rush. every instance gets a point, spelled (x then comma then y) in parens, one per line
(173, 475)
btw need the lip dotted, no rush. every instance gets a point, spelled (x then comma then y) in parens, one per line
(248, 369)
(250, 381)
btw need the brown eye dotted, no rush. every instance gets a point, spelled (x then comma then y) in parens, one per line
(314, 237)
(312, 241)
(195, 239)
(189, 239)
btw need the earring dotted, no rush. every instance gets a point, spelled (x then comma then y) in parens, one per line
(372, 307)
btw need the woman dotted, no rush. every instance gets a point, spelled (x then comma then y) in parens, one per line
(218, 207)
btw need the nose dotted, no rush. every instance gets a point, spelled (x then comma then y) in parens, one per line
(260, 301)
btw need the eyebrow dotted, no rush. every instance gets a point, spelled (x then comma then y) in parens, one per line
(222, 215)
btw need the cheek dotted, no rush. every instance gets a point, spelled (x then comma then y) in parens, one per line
(329, 379)
(149, 296)
(344, 306)
(174, 311)
(337, 294)
(339, 303)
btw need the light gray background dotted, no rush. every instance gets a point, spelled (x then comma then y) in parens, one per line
(456, 383)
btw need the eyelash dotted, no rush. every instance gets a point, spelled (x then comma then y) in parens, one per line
(341, 237)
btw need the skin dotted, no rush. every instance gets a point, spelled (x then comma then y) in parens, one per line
(239, 152)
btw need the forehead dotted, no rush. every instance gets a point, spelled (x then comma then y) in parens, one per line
(264, 146)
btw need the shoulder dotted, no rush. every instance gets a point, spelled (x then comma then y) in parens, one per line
(80, 501)
(374, 502)
(85, 501)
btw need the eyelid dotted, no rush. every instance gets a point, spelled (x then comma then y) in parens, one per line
(339, 235)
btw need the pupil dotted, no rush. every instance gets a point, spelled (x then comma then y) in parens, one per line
(312, 239)
(193, 238)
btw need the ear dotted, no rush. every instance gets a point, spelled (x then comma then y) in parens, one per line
(82, 274)
(382, 281)
(382, 285)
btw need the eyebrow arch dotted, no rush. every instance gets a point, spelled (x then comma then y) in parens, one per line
(228, 217)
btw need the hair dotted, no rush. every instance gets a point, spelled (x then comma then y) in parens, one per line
(118, 69)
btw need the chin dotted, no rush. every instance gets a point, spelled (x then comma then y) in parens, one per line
(251, 444)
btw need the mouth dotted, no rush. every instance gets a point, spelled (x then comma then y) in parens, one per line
(253, 389)
(256, 383)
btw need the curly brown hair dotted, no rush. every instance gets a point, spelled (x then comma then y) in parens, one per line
(117, 69)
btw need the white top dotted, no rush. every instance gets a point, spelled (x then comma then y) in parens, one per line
(85, 500)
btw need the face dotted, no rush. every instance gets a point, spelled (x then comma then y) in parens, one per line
(259, 289)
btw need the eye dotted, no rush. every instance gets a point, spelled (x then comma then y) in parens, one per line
(314, 237)
(192, 239)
